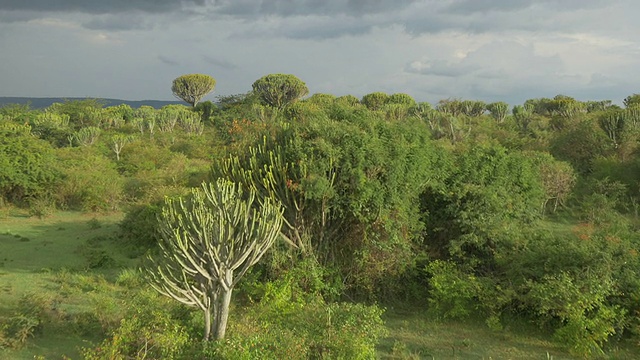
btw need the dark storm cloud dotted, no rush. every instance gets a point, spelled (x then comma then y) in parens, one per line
(96, 6)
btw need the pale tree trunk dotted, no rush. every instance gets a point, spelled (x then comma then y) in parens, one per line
(222, 308)
(207, 324)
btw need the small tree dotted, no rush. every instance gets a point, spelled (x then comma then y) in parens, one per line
(498, 110)
(192, 87)
(209, 241)
(375, 100)
(117, 143)
(280, 90)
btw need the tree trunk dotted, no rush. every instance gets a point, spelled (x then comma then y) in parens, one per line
(222, 311)
(207, 324)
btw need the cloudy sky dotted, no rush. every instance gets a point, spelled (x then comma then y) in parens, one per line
(491, 50)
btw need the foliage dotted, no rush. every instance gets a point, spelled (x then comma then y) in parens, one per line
(280, 90)
(290, 323)
(632, 100)
(323, 100)
(374, 101)
(52, 127)
(580, 145)
(192, 87)
(452, 292)
(498, 110)
(206, 109)
(27, 164)
(86, 136)
(401, 99)
(149, 330)
(383, 199)
(27, 320)
(81, 113)
(210, 240)
(486, 190)
(557, 177)
(88, 181)
(348, 186)
(138, 227)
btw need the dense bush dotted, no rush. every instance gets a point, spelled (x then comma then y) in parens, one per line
(151, 328)
(290, 322)
(88, 182)
(27, 164)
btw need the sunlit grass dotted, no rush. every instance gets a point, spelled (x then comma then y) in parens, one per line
(61, 260)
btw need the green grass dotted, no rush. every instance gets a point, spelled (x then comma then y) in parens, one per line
(415, 334)
(62, 259)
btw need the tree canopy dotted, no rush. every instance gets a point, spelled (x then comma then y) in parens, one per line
(210, 241)
(192, 87)
(280, 90)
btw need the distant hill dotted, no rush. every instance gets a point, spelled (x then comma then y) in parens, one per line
(41, 103)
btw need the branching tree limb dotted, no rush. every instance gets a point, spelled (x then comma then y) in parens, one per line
(209, 241)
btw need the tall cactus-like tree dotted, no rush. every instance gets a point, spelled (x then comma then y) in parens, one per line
(192, 87)
(117, 143)
(280, 90)
(498, 110)
(87, 136)
(209, 241)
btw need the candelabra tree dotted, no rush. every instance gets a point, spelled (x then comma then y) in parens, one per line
(209, 241)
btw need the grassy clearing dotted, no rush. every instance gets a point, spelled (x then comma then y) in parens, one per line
(56, 265)
(414, 334)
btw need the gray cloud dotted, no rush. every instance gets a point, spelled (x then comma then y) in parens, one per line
(497, 70)
(475, 6)
(112, 22)
(219, 62)
(110, 15)
(168, 61)
(286, 8)
(96, 6)
(467, 7)
(442, 68)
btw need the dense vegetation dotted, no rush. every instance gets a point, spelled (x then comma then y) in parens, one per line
(464, 209)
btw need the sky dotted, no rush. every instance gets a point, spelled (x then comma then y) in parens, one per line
(489, 50)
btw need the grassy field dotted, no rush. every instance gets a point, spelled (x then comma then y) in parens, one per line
(40, 258)
(416, 335)
(71, 261)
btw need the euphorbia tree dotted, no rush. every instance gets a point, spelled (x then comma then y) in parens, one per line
(192, 87)
(280, 90)
(209, 241)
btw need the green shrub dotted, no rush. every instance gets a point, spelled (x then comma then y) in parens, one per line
(452, 292)
(138, 228)
(149, 329)
(27, 167)
(89, 182)
(94, 224)
(33, 312)
(289, 323)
